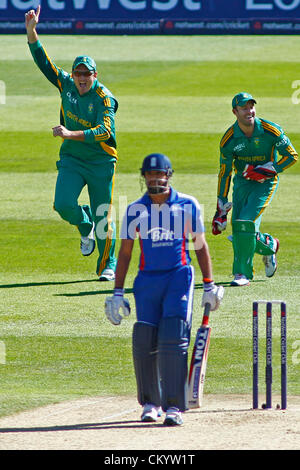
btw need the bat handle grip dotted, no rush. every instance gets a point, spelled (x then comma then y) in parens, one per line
(206, 314)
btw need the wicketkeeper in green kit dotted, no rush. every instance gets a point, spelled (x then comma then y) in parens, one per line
(257, 150)
(88, 153)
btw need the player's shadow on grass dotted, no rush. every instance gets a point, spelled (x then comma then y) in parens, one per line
(45, 283)
(94, 292)
(129, 291)
(105, 291)
(102, 291)
(61, 283)
(228, 283)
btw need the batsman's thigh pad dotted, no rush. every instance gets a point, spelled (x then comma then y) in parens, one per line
(244, 244)
(144, 348)
(173, 343)
(178, 300)
(149, 291)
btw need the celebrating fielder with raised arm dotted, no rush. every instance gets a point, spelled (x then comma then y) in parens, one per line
(88, 152)
(163, 219)
(258, 150)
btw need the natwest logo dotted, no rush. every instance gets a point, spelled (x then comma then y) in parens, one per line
(133, 5)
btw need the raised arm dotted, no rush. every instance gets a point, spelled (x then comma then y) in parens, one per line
(53, 73)
(31, 20)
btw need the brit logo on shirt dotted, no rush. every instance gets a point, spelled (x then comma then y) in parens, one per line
(91, 108)
(256, 142)
(159, 234)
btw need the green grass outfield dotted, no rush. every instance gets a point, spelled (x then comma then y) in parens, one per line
(174, 94)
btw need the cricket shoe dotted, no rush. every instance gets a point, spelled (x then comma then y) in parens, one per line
(87, 244)
(270, 261)
(151, 413)
(107, 275)
(240, 280)
(173, 417)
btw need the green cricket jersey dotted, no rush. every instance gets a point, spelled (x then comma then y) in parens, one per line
(267, 142)
(93, 112)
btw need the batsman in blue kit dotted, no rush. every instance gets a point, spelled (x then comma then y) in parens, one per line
(163, 220)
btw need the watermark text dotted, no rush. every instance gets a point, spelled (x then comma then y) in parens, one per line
(296, 353)
(2, 353)
(296, 94)
(2, 92)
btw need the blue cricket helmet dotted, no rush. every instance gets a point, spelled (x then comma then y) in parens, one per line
(157, 161)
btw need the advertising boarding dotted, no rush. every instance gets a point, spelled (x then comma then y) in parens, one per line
(155, 16)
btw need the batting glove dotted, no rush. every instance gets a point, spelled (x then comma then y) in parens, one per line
(114, 304)
(259, 173)
(219, 222)
(212, 295)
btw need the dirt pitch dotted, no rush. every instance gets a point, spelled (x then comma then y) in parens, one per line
(109, 423)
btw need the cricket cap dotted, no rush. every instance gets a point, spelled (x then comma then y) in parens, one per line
(85, 60)
(241, 99)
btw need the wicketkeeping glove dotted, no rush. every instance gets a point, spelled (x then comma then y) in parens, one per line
(212, 295)
(114, 304)
(220, 218)
(259, 173)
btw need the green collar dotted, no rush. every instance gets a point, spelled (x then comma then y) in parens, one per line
(258, 129)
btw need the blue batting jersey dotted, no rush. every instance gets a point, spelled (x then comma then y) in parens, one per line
(163, 230)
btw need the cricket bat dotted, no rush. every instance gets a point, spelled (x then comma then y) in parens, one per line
(199, 361)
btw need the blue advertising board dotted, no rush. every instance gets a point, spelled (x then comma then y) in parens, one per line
(155, 16)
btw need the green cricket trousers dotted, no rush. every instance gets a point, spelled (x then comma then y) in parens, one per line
(73, 175)
(250, 199)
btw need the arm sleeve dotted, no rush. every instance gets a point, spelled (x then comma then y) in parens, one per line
(132, 223)
(193, 220)
(105, 129)
(54, 74)
(224, 177)
(287, 153)
(198, 224)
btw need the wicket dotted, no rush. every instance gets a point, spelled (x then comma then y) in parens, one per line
(269, 353)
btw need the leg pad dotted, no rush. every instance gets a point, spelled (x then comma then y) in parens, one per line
(173, 342)
(144, 349)
(244, 244)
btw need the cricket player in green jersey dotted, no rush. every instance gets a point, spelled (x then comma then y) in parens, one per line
(88, 152)
(257, 150)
